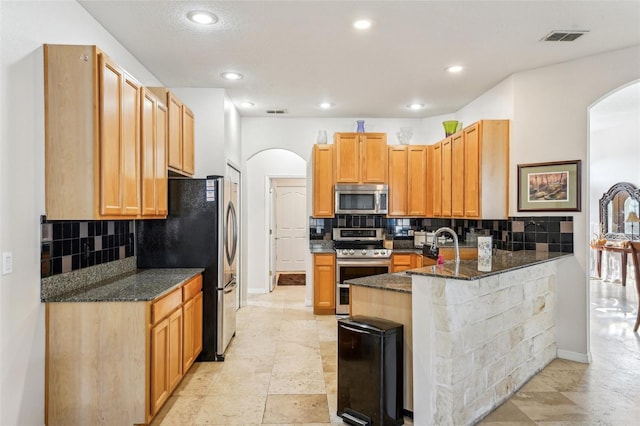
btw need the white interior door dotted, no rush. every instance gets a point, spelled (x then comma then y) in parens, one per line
(291, 225)
(272, 238)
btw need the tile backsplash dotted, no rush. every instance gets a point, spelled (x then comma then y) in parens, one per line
(540, 233)
(67, 246)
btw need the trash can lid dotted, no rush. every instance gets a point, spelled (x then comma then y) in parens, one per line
(371, 323)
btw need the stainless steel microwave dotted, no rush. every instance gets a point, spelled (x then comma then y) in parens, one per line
(362, 199)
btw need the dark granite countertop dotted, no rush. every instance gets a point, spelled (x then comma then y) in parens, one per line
(397, 281)
(321, 246)
(135, 286)
(503, 261)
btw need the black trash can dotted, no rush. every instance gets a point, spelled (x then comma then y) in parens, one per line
(370, 371)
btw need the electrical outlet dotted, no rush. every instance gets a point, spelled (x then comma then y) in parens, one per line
(7, 262)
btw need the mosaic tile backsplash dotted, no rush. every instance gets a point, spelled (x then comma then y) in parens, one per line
(67, 246)
(540, 233)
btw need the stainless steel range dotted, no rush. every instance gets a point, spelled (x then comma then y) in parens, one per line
(360, 253)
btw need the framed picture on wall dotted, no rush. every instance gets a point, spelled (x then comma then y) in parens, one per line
(544, 187)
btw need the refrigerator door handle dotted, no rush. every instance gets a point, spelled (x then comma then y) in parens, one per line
(230, 286)
(231, 217)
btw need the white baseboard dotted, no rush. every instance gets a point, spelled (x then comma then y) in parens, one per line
(256, 291)
(574, 356)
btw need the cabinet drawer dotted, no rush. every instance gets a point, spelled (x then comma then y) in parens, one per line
(166, 305)
(191, 288)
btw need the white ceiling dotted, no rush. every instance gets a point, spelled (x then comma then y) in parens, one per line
(296, 54)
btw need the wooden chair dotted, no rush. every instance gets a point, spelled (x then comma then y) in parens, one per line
(635, 251)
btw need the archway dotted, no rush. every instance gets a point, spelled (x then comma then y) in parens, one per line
(260, 169)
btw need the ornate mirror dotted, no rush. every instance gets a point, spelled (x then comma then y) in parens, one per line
(620, 212)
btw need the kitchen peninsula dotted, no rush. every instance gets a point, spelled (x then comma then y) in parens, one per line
(475, 337)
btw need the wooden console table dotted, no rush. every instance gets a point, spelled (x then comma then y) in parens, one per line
(623, 253)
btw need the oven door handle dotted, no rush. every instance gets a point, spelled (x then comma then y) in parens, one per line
(364, 262)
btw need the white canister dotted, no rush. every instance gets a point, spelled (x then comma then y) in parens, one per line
(484, 253)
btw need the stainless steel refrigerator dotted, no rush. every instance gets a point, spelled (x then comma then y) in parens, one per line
(201, 231)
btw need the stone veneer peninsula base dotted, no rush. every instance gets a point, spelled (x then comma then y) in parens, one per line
(477, 338)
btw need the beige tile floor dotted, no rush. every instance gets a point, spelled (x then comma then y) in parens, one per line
(281, 370)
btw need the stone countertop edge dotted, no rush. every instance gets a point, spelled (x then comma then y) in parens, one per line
(396, 281)
(134, 286)
(504, 261)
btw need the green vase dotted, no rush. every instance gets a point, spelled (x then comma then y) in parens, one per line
(450, 127)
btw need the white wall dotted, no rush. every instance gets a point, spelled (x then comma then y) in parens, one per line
(270, 163)
(25, 27)
(550, 123)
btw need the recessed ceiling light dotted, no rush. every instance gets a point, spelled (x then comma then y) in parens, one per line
(362, 24)
(202, 17)
(455, 68)
(325, 105)
(415, 106)
(231, 75)
(246, 104)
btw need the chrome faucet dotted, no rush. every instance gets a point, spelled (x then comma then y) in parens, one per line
(434, 243)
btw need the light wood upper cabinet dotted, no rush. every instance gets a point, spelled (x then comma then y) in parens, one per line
(417, 180)
(361, 157)
(458, 171)
(475, 172)
(188, 147)
(407, 180)
(436, 186)
(430, 187)
(92, 136)
(487, 169)
(398, 184)
(324, 284)
(323, 195)
(447, 151)
(154, 156)
(181, 131)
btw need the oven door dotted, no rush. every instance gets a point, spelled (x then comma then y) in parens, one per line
(349, 269)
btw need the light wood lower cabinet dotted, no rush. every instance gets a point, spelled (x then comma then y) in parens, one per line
(118, 362)
(404, 261)
(324, 284)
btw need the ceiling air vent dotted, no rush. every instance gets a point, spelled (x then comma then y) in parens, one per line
(563, 35)
(276, 111)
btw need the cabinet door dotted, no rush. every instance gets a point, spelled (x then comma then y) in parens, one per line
(160, 177)
(374, 164)
(457, 175)
(188, 147)
(197, 325)
(175, 132)
(188, 313)
(397, 181)
(446, 177)
(160, 342)
(472, 150)
(347, 157)
(174, 358)
(437, 184)
(417, 180)
(148, 153)
(430, 186)
(111, 80)
(130, 147)
(324, 284)
(401, 262)
(323, 194)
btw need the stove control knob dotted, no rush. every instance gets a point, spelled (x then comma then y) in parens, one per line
(376, 252)
(351, 251)
(345, 252)
(364, 252)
